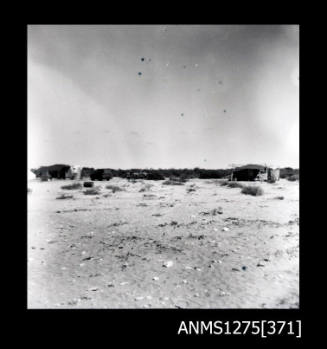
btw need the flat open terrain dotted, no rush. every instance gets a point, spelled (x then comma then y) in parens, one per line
(228, 250)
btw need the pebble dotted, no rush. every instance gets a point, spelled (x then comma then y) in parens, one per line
(225, 229)
(155, 278)
(168, 264)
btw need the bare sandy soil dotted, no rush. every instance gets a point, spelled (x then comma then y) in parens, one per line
(109, 250)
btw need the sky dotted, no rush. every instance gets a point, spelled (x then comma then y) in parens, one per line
(162, 96)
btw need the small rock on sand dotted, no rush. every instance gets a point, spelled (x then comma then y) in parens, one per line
(168, 264)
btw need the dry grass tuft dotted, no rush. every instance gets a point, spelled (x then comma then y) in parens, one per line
(252, 190)
(231, 184)
(173, 182)
(146, 187)
(72, 186)
(88, 184)
(64, 196)
(92, 191)
(114, 188)
(234, 185)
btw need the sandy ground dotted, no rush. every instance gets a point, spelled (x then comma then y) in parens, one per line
(109, 250)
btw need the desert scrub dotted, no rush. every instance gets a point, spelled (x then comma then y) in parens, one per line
(64, 196)
(234, 185)
(231, 184)
(114, 188)
(146, 187)
(88, 184)
(72, 186)
(252, 190)
(215, 181)
(91, 191)
(174, 182)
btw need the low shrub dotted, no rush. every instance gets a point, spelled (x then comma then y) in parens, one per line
(72, 186)
(231, 184)
(146, 187)
(252, 190)
(114, 188)
(234, 185)
(172, 182)
(91, 191)
(88, 184)
(64, 196)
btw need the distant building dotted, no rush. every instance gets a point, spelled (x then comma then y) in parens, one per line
(74, 172)
(254, 172)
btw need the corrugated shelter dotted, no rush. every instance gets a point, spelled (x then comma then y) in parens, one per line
(248, 172)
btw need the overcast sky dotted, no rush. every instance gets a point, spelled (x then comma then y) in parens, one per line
(163, 96)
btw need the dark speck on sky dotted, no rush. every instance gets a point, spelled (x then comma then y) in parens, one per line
(92, 79)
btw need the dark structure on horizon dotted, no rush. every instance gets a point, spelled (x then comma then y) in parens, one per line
(249, 172)
(255, 172)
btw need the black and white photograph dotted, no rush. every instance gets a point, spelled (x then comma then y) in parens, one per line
(163, 166)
